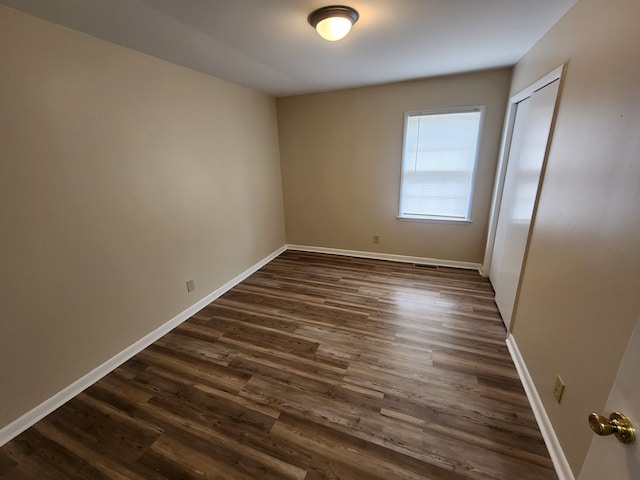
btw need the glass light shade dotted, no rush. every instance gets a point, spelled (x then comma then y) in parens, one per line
(334, 28)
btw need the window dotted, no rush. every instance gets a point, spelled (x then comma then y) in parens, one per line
(438, 163)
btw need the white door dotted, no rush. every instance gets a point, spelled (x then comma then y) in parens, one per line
(607, 457)
(530, 138)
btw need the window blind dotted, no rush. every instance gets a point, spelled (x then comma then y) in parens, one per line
(438, 164)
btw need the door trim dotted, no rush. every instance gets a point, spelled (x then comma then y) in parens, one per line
(505, 147)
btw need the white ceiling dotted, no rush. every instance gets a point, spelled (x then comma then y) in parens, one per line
(268, 44)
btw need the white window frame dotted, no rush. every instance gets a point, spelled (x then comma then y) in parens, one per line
(439, 111)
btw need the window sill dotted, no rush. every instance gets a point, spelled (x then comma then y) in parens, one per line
(451, 220)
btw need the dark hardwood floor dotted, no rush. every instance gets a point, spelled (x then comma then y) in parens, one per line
(315, 367)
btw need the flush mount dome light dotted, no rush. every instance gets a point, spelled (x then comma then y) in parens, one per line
(334, 22)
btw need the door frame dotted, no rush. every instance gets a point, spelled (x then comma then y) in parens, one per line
(501, 170)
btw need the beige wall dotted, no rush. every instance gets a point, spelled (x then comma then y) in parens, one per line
(341, 154)
(121, 176)
(580, 295)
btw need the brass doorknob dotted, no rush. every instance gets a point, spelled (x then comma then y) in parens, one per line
(617, 424)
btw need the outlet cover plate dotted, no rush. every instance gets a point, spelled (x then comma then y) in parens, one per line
(558, 388)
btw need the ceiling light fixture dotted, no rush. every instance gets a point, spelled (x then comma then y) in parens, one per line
(333, 22)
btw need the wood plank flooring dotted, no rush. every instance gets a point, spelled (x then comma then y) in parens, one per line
(315, 367)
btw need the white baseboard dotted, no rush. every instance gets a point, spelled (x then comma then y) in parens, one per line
(546, 428)
(18, 426)
(388, 256)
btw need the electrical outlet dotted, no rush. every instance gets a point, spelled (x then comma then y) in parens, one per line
(191, 285)
(376, 239)
(558, 388)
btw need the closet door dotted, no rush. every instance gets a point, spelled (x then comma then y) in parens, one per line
(530, 137)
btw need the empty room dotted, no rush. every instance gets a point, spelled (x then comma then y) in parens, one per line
(291, 239)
